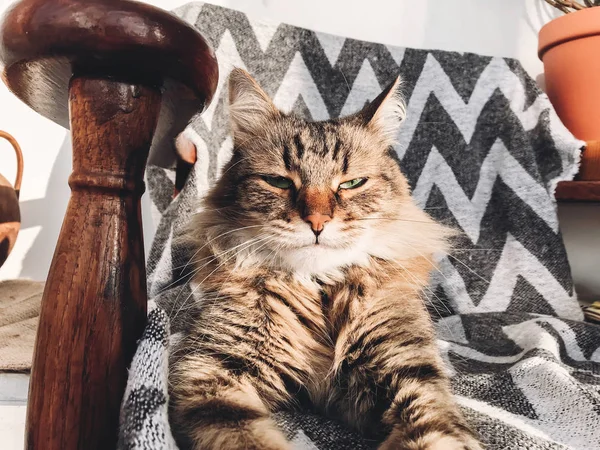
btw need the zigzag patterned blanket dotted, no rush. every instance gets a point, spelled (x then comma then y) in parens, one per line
(483, 150)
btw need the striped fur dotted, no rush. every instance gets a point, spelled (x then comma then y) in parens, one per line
(293, 319)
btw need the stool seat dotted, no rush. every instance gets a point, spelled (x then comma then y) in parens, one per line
(43, 43)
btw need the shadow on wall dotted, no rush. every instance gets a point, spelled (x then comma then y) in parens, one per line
(47, 213)
(541, 14)
(501, 28)
(495, 28)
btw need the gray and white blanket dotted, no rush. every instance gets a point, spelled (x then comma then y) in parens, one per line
(483, 150)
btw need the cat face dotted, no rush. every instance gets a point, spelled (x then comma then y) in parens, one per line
(324, 194)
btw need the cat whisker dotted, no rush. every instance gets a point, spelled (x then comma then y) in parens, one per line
(221, 235)
(469, 269)
(422, 289)
(346, 80)
(191, 259)
(231, 273)
(241, 160)
(248, 244)
(432, 263)
(192, 273)
(398, 219)
(455, 249)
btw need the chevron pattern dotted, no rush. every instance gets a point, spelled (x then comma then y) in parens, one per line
(482, 150)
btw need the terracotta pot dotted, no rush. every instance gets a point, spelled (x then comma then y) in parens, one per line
(570, 49)
(10, 216)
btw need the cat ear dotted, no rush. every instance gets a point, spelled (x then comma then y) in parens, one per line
(385, 114)
(249, 106)
(185, 147)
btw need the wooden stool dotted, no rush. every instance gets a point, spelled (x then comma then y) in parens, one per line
(129, 75)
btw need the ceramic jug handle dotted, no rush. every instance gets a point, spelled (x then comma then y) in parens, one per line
(19, 154)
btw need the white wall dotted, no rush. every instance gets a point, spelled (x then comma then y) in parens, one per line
(494, 27)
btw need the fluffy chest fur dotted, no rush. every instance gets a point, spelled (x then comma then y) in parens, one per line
(291, 330)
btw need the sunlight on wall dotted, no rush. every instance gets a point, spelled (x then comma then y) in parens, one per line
(493, 27)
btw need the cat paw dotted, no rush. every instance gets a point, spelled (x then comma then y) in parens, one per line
(260, 435)
(453, 443)
(430, 441)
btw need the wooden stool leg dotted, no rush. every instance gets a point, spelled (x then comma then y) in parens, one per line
(94, 304)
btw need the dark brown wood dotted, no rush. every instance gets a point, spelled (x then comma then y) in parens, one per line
(94, 303)
(131, 75)
(586, 186)
(578, 191)
(44, 42)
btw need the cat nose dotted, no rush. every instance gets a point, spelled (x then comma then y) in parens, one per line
(317, 222)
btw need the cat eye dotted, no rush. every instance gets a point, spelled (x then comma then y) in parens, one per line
(279, 182)
(353, 184)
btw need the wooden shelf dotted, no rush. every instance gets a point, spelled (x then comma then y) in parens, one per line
(578, 191)
(586, 188)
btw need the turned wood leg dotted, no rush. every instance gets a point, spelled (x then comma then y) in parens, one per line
(97, 280)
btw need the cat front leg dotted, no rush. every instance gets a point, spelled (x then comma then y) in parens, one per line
(422, 416)
(214, 409)
(392, 380)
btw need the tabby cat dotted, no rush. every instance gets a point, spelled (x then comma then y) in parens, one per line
(311, 259)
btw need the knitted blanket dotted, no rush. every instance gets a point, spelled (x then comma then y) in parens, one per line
(483, 150)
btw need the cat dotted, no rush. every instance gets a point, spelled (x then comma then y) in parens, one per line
(311, 262)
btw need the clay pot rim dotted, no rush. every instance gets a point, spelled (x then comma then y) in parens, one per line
(571, 26)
